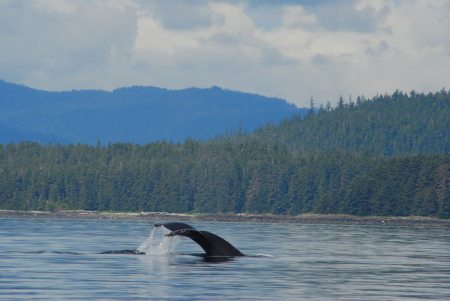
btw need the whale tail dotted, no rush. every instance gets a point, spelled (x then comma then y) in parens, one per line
(211, 243)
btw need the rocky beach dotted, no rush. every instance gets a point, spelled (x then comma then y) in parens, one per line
(231, 217)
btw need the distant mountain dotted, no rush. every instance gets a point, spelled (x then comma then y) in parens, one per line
(8, 135)
(136, 114)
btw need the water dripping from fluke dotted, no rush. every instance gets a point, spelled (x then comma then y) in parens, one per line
(156, 244)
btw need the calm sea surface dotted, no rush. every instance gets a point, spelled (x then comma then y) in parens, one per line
(48, 259)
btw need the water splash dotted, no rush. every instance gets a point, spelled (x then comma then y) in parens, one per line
(158, 244)
(259, 255)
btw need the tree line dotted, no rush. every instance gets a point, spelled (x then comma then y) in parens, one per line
(236, 174)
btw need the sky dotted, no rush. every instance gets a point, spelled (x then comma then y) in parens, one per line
(289, 49)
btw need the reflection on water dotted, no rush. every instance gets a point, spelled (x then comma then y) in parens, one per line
(61, 259)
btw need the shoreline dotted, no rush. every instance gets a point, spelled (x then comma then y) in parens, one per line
(340, 219)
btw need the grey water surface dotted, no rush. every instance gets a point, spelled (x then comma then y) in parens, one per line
(51, 259)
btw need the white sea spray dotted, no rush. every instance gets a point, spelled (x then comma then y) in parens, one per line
(158, 244)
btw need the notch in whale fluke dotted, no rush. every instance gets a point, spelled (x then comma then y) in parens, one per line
(211, 243)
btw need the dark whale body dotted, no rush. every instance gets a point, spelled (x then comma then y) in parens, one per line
(211, 243)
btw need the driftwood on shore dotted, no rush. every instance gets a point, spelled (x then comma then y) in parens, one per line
(231, 217)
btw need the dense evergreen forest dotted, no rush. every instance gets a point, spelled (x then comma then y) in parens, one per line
(387, 125)
(382, 156)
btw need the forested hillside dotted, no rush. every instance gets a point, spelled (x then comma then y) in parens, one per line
(349, 159)
(135, 114)
(387, 125)
(206, 177)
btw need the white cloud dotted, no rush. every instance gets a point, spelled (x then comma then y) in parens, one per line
(297, 16)
(63, 46)
(319, 48)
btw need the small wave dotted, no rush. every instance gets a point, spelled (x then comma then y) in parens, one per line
(136, 252)
(259, 255)
(41, 252)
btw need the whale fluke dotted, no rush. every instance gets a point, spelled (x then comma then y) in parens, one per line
(211, 243)
(175, 226)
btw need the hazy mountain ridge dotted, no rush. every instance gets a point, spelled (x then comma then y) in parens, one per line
(135, 114)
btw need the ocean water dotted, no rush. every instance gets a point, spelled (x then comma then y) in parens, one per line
(51, 259)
